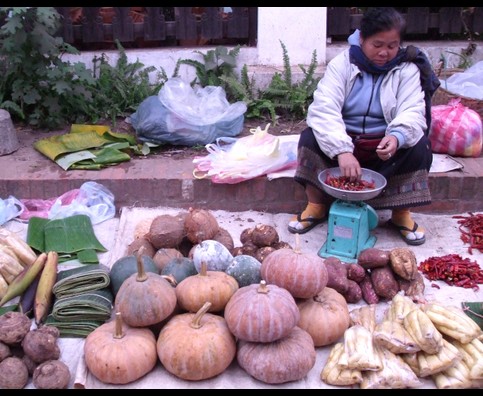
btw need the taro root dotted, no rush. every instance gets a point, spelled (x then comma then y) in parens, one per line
(166, 231)
(135, 245)
(164, 256)
(264, 235)
(237, 251)
(263, 252)
(224, 237)
(13, 373)
(13, 327)
(31, 365)
(249, 248)
(142, 228)
(200, 225)
(403, 262)
(246, 235)
(5, 351)
(41, 344)
(282, 245)
(52, 374)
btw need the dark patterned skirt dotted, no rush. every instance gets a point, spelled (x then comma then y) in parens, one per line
(406, 172)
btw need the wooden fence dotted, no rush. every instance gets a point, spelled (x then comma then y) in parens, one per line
(426, 23)
(98, 27)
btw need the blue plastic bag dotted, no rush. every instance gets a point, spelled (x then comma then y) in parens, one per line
(186, 116)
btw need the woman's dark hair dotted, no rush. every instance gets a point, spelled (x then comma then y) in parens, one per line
(382, 19)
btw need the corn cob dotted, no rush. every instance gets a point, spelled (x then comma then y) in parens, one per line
(44, 294)
(24, 279)
(21, 248)
(9, 265)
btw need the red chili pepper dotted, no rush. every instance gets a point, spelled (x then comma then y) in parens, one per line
(344, 183)
(471, 228)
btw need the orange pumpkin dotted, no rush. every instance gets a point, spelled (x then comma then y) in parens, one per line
(261, 313)
(196, 346)
(325, 317)
(304, 275)
(216, 287)
(284, 360)
(116, 353)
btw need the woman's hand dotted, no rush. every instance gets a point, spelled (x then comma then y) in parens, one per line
(387, 148)
(349, 166)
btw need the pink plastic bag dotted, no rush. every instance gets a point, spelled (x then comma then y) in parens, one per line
(456, 130)
(41, 207)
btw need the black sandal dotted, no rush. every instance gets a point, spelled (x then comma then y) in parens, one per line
(412, 242)
(312, 220)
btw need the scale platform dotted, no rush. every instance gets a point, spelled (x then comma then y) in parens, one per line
(350, 219)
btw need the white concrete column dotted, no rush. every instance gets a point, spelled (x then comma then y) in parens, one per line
(301, 29)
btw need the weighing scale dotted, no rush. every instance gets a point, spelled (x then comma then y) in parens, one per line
(350, 219)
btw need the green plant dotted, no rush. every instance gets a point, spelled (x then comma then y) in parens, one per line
(216, 63)
(289, 98)
(37, 86)
(121, 88)
(243, 89)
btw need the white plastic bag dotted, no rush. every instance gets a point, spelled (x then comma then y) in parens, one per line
(10, 208)
(245, 158)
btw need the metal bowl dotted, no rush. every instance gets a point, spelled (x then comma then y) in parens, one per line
(367, 175)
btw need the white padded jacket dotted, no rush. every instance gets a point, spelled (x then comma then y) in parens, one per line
(402, 100)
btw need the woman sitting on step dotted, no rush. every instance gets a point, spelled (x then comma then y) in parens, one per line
(372, 109)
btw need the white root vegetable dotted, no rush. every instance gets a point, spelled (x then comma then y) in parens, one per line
(359, 347)
(430, 364)
(331, 374)
(394, 337)
(423, 331)
(364, 316)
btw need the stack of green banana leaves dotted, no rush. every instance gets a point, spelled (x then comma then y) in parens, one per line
(72, 237)
(83, 300)
(88, 147)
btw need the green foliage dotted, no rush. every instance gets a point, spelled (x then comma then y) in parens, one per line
(217, 63)
(121, 88)
(289, 98)
(37, 86)
(244, 90)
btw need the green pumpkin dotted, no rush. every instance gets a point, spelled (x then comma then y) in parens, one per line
(124, 267)
(180, 268)
(245, 269)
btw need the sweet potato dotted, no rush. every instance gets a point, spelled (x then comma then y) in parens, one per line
(403, 262)
(355, 272)
(368, 293)
(373, 258)
(384, 282)
(413, 288)
(337, 275)
(354, 293)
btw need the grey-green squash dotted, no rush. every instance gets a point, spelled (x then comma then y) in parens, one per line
(124, 267)
(179, 268)
(216, 256)
(245, 269)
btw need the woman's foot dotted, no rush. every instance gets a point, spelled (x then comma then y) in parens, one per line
(303, 222)
(410, 231)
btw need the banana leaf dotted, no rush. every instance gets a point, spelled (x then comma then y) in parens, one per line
(475, 311)
(74, 329)
(92, 306)
(79, 280)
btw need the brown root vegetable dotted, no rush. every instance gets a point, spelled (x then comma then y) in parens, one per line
(373, 258)
(354, 293)
(246, 235)
(368, 293)
(413, 288)
(337, 272)
(52, 374)
(263, 252)
(264, 235)
(142, 228)
(31, 365)
(384, 282)
(250, 249)
(225, 238)
(166, 231)
(355, 272)
(164, 255)
(41, 345)
(237, 251)
(13, 373)
(185, 246)
(282, 245)
(13, 327)
(135, 245)
(403, 262)
(5, 351)
(200, 225)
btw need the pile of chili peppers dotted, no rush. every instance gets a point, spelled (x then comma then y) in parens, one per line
(344, 183)
(454, 270)
(471, 228)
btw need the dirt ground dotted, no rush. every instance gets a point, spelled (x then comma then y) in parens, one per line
(284, 126)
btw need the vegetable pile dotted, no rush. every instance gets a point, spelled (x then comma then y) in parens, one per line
(471, 228)
(454, 270)
(344, 183)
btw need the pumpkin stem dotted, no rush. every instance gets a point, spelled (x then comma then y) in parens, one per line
(196, 322)
(171, 279)
(118, 331)
(297, 244)
(141, 277)
(263, 287)
(203, 269)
